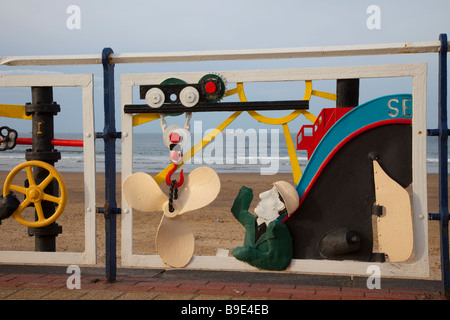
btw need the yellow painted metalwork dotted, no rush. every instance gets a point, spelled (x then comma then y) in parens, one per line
(296, 170)
(325, 95)
(160, 177)
(35, 193)
(295, 165)
(308, 90)
(257, 116)
(13, 111)
(141, 118)
(279, 121)
(230, 92)
(308, 115)
(307, 96)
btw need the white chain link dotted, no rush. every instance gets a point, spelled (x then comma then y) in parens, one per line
(163, 122)
(187, 124)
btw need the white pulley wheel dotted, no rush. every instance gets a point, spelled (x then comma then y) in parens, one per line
(155, 97)
(189, 97)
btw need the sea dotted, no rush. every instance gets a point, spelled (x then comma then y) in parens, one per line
(265, 153)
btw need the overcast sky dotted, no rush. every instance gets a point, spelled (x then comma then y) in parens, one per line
(40, 28)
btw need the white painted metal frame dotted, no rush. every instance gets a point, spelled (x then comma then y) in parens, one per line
(418, 73)
(89, 256)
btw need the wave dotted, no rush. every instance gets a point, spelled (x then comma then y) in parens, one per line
(150, 154)
(435, 160)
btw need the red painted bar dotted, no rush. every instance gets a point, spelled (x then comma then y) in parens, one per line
(55, 142)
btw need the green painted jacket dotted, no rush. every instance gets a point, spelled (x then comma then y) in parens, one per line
(273, 250)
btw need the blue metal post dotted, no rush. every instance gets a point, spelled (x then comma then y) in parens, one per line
(109, 137)
(443, 164)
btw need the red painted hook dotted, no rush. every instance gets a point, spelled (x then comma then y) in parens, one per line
(169, 176)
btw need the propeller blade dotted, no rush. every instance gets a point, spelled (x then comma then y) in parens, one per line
(175, 241)
(395, 227)
(200, 188)
(143, 193)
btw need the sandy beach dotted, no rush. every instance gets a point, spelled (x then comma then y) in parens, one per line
(213, 226)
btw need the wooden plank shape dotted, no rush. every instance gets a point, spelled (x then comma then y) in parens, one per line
(395, 229)
(218, 55)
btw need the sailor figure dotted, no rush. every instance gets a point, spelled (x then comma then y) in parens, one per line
(267, 242)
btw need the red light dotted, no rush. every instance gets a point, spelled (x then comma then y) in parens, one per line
(176, 157)
(210, 87)
(174, 137)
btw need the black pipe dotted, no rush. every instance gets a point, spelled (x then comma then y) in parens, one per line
(42, 110)
(443, 165)
(109, 136)
(347, 93)
(221, 106)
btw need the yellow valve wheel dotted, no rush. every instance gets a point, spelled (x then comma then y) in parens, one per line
(35, 194)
